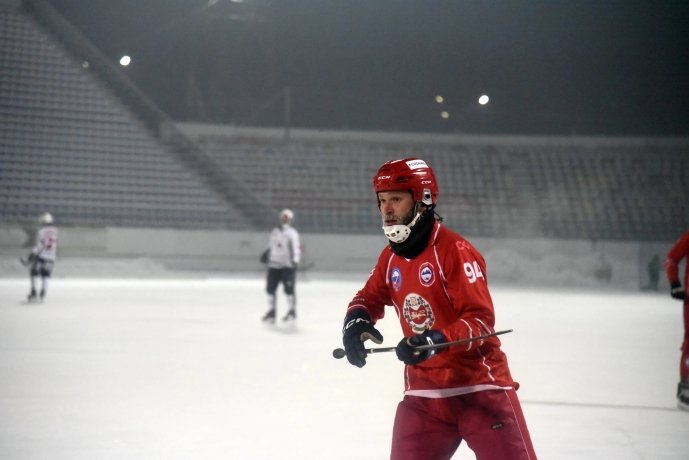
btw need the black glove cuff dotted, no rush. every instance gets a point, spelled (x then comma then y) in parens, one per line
(355, 317)
(357, 329)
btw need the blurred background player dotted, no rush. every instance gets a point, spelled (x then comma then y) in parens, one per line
(436, 281)
(42, 256)
(284, 253)
(654, 267)
(680, 251)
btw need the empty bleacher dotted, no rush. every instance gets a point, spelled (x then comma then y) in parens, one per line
(575, 188)
(69, 145)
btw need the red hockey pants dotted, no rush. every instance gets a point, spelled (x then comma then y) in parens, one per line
(491, 422)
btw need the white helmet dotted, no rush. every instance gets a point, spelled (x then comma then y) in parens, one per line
(45, 219)
(286, 216)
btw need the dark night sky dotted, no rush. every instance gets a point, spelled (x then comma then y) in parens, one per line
(550, 67)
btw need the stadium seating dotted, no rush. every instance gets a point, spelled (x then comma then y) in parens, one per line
(70, 144)
(610, 189)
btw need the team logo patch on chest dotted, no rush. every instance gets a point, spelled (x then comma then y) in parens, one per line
(396, 279)
(418, 313)
(426, 275)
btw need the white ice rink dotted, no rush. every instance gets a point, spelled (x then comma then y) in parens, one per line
(183, 369)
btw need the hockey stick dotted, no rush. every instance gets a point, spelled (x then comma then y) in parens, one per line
(340, 353)
(24, 262)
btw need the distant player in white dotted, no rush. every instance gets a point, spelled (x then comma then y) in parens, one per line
(42, 256)
(283, 259)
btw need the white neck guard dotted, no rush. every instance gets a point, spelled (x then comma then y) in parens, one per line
(399, 233)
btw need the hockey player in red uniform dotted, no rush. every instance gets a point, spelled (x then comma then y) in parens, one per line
(436, 281)
(678, 252)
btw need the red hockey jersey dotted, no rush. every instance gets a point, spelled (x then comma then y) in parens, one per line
(679, 251)
(443, 288)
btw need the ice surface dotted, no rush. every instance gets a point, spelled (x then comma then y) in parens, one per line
(183, 369)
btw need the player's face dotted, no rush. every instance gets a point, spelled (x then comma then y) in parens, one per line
(396, 207)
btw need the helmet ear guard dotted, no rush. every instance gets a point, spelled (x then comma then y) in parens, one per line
(427, 197)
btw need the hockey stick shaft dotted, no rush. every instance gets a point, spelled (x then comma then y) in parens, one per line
(340, 353)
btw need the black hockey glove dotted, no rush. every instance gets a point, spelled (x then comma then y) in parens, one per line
(357, 329)
(677, 291)
(407, 352)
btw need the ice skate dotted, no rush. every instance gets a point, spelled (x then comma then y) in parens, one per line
(683, 395)
(269, 317)
(42, 294)
(290, 316)
(32, 295)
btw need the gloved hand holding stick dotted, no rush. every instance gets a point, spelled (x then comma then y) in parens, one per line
(339, 353)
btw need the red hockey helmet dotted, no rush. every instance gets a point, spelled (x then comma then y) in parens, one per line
(410, 174)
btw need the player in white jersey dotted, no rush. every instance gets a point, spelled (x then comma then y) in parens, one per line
(284, 253)
(43, 254)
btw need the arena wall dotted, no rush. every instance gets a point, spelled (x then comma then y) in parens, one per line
(115, 251)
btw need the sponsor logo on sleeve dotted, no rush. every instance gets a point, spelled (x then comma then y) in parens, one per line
(462, 245)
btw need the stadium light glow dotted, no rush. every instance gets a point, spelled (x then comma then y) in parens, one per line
(444, 114)
(125, 60)
(483, 100)
(439, 99)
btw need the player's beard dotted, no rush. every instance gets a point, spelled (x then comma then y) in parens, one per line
(405, 220)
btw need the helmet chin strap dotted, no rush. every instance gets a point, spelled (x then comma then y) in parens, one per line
(399, 233)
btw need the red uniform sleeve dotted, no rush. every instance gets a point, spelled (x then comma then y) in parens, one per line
(464, 273)
(676, 254)
(374, 296)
